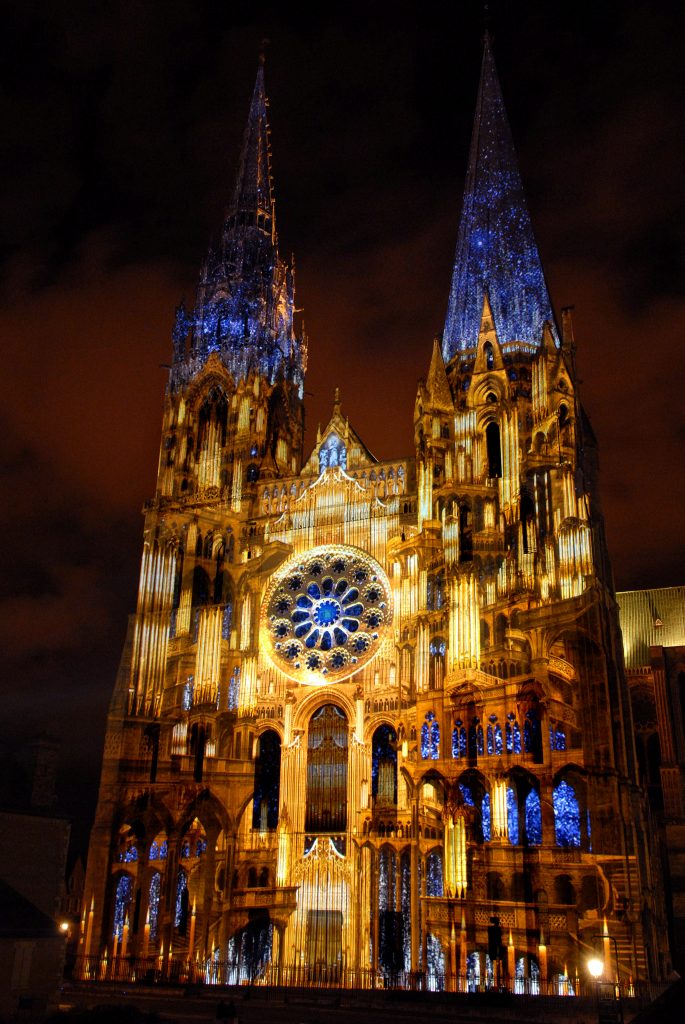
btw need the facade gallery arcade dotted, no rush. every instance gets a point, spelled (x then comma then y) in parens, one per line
(365, 706)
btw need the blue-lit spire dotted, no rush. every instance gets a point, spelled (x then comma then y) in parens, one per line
(246, 295)
(496, 250)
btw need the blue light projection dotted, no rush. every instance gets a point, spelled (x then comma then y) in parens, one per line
(458, 739)
(332, 453)
(466, 794)
(430, 738)
(533, 814)
(566, 815)
(557, 737)
(122, 900)
(496, 250)
(485, 817)
(234, 689)
(158, 851)
(494, 736)
(181, 907)
(513, 734)
(434, 877)
(512, 817)
(246, 295)
(153, 903)
(435, 963)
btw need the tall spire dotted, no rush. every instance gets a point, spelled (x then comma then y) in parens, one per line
(496, 250)
(252, 196)
(246, 293)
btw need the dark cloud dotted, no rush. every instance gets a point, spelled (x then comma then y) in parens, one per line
(121, 129)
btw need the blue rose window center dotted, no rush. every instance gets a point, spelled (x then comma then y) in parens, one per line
(326, 612)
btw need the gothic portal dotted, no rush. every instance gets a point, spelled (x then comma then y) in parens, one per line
(364, 707)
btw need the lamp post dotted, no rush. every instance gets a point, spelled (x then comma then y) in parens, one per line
(609, 1006)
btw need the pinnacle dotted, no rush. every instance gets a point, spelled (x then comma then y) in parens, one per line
(496, 248)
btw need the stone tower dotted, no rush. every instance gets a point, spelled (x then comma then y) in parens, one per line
(365, 706)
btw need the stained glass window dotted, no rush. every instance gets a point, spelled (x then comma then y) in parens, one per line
(430, 738)
(512, 816)
(459, 740)
(566, 815)
(122, 900)
(181, 907)
(153, 903)
(267, 773)
(434, 880)
(485, 817)
(533, 818)
(326, 613)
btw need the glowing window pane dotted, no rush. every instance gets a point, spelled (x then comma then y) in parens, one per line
(512, 817)
(566, 815)
(533, 818)
(122, 900)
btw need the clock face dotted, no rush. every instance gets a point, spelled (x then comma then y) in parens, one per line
(325, 614)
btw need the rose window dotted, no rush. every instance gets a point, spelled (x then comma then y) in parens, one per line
(326, 613)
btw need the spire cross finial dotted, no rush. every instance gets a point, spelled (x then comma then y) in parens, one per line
(336, 400)
(262, 50)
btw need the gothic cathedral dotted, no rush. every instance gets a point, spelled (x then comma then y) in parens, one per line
(367, 710)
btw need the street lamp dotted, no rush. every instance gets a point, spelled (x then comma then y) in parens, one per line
(608, 993)
(596, 967)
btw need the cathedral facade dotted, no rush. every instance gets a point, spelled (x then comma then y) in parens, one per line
(371, 724)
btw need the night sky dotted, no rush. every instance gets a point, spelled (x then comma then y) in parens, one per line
(121, 127)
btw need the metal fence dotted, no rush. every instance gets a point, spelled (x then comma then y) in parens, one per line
(179, 972)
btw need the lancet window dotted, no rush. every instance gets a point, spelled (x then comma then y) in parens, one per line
(153, 904)
(430, 738)
(384, 766)
(434, 874)
(122, 901)
(566, 814)
(459, 739)
(494, 736)
(267, 772)
(326, 809)
(513, 733)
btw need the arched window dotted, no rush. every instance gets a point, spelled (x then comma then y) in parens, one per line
(485, 817)
(201, 587)
(122, 901)
(494, 736)
(437, 663)
(153, 904)
(512, 816)
(566, 815)
(434, 876)
(181, 906)
(326, 799)
(234, 690)
(513, 734)
(267, 774)
(458, 739)
(489, 355)
(557, 736)
(494, 451)
(533, 817)
(384, 766)
(532, 733)
(430, 738)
